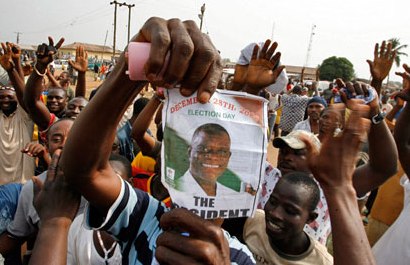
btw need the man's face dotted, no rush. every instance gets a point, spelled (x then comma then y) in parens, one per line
(290, 160)
(209, 155)
(8, 100)
(56, 100)
(74, 107)
(329, 121)
(57, 135)
(314, 109)
(64, 79)
(287, 211)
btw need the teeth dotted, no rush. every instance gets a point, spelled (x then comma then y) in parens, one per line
(274, 226)
(210, 166)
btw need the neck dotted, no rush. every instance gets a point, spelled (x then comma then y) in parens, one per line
(208, 186)
(295, 245)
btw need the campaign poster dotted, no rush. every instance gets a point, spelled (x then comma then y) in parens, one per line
(213, 154)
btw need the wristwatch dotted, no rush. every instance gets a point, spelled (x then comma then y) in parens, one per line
(376, 119)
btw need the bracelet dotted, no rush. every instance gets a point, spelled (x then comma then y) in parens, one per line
(37, 72)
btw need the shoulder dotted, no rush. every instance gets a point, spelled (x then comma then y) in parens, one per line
(240, 253)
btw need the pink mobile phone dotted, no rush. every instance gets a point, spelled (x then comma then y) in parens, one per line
(138, 54)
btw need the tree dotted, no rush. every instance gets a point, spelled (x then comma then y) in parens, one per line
(336, 67)
(395, 45)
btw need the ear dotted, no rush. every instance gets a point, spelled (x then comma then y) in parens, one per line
(189, 152)
(312, 216)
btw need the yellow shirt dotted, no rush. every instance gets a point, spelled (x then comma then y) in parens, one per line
(389, 201)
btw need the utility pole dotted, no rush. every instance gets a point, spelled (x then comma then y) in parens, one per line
(129, 16)
(201, 16)
(115, 25)
(18, 37)
(312, 33)
(105, 43)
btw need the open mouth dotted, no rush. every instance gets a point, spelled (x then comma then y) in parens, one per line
(210, 165)
(274, 227)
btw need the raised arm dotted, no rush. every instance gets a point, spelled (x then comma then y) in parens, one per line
(51, 78)
(56, 204)
(36, 108)
(382, 157)
(80, 64)
(333, 167)
(94, 130)
(15, 56)
(8, 62)
(381, 64)
(262, 71)
(139, 128)
(402, 128)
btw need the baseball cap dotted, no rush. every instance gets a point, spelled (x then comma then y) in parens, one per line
(293, 140)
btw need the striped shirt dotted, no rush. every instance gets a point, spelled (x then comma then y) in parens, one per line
(133, 220)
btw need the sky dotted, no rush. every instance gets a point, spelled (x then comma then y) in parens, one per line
(347, 28)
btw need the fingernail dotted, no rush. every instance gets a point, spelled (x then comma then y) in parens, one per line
(204, 97)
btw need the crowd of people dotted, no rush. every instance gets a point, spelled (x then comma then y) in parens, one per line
(80, 179)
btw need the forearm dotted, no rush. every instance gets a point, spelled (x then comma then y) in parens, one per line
(392, 114)
(402, 137)
(19, 69)
(36, 108)
(18, 84)
(377, 84)
(8, 243)
(350, 244)
(80, 88)
(52, 80)
(51, 242)
(382, 160)
(142, 122)
(87, 140)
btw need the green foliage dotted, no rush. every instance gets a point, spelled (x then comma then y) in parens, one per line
(396, 45)
(336, 67)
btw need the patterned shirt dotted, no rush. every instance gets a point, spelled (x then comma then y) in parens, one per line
(320, 228)
(133, 220)
(293, 111)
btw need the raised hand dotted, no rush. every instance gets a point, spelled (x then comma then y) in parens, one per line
(15, 52)
(81, 60)
(382, 62)
(54, 198)
(6, 57)
(405, 93)
(263, 70)
(333, 165)
(204, 244)
(194, 62)
(359, 91)
(46, 52)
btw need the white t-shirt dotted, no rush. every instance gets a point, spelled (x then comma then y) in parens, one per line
(394, 246)
(81, 249)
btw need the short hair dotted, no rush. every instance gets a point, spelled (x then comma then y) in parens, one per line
(124, 161)
(56, 87)
(211, 129)
(139, 105)
(308, 183)
(56, 122)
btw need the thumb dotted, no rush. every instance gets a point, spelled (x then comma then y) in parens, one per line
(311, 148)
(37, 187)
(370, 64)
